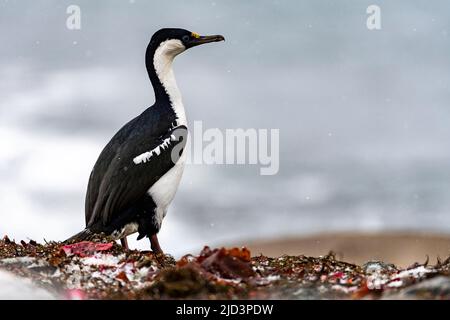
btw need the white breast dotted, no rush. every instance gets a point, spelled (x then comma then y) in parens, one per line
(163, 191)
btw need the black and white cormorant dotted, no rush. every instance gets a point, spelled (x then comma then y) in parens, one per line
(138, 172)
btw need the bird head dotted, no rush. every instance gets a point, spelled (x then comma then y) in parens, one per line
(182, 37)
(164, 46)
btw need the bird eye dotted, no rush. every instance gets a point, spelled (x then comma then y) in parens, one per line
(185, 38)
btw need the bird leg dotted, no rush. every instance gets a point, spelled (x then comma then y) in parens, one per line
(124, 243)
(154, 243)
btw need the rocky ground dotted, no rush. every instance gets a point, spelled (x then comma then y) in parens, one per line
(101, 269)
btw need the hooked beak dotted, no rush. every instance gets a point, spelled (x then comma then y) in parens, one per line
(205, 39)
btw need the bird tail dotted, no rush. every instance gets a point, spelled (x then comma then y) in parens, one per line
(81, 236)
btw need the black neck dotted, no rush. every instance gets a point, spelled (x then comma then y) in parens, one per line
(160, 93)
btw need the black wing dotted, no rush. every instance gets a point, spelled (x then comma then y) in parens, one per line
(102, 165)
(136, 166)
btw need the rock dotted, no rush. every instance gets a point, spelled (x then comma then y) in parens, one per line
(12, 287)
(101, 269)
(434, 288)
(378, 267)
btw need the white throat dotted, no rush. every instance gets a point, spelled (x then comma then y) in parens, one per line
(162, 61)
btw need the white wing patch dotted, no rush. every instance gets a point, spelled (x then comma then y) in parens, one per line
(146, 156)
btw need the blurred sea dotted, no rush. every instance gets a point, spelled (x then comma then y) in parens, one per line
(363, 115)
